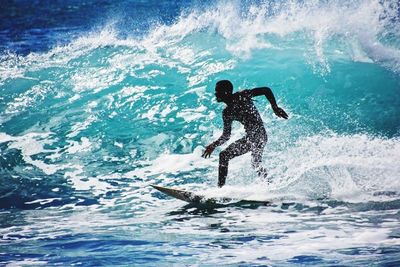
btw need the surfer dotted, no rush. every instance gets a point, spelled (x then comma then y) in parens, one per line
(240, 107)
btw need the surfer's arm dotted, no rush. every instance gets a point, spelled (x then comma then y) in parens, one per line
(264, 91)
(226, 134)
(267, 92)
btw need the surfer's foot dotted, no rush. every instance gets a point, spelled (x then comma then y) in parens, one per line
(262, 172)
(222, 173)
(221, 183)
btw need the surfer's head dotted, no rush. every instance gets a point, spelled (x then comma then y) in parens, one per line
(223, 90)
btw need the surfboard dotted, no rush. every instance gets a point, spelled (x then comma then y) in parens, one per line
(194, 198)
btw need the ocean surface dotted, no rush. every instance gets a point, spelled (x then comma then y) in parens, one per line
(100, 99)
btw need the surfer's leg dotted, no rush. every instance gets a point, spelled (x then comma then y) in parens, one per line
(256, 157)
(235, 149)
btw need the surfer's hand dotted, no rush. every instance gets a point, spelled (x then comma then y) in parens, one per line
(208, 151)
(280, 113)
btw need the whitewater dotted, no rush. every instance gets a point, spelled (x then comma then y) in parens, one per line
(91, 115)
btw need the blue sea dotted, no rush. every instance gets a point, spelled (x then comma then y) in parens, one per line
(100, 99)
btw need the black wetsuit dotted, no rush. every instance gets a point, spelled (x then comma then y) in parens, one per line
(243, 110)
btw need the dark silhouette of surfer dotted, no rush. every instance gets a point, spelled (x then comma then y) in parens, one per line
(240, 107)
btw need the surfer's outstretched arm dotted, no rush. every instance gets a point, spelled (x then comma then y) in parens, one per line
(271, 98)
(226, 134)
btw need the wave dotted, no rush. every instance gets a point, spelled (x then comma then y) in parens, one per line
(353, 169)
(105, 109)
(356, 30)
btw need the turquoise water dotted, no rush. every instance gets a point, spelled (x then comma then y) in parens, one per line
(96, 113)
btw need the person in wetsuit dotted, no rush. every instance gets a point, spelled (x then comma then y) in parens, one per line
(240, 107)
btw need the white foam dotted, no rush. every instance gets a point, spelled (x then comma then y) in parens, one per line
(344, 167)
(171, 164)
(80, 181)
(32, 144)
(349, 168)
(359, 26)
(43, 201)
(29, 98)
(192, 114)
(95, 79)
(26, 262)
(358, 23)
(80, 126)
(83, 146)
(207, 69)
